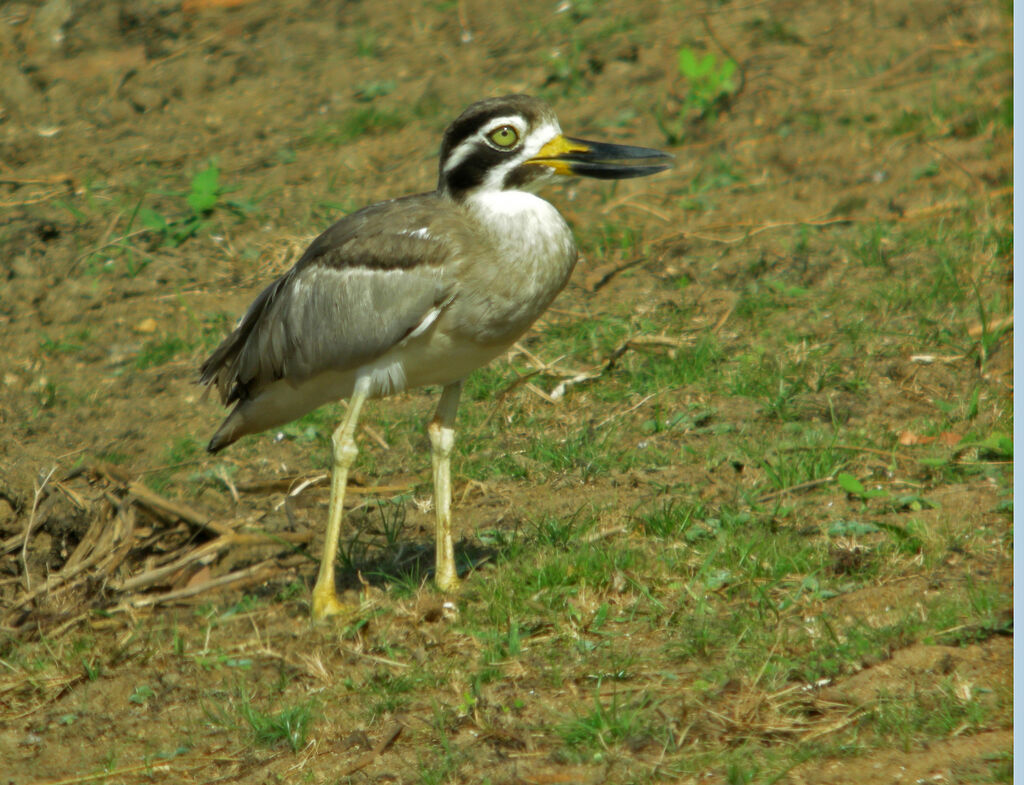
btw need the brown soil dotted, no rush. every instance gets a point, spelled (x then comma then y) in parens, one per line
(106, 107)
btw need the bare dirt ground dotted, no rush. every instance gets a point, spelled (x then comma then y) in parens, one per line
(842, 210)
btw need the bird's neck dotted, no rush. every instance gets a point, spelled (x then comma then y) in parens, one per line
(528, 233)
(522, 225)
(514, 217)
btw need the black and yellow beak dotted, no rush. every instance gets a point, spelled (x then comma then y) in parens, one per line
(566, 155)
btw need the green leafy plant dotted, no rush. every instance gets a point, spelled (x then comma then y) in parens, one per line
(205, 195)
(710, 85)
(855, 487)
(201, 199)
(710, 82)
(142, 694)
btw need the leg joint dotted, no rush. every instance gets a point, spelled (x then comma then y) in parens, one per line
(442, 438)
(345, 450)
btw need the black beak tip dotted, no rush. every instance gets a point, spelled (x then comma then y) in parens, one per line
(615, 171)
(616, 161)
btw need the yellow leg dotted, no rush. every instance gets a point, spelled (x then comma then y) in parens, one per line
(325, 596)
(442, 440)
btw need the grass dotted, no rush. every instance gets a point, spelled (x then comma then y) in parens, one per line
(718, 560)
(609, 723)
(160, 351)
(362, 121)
(287, 726)
(710, 82)
(179, 456)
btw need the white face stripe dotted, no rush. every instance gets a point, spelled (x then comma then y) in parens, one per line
(469, 144)
(532, 141)
(458, 155)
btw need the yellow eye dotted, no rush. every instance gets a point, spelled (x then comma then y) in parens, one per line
(506, 136)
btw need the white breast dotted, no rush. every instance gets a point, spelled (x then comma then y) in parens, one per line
(530, 255)
(524, 225)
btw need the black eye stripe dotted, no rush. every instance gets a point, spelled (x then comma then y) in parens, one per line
(522, 176)
(474, 168)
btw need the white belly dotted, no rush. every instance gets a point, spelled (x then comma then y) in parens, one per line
(433, 357)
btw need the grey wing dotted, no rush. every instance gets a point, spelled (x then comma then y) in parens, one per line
(361, 287)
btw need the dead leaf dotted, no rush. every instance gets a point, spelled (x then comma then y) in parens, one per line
(909, 439)
(201, 576)
(946, 438)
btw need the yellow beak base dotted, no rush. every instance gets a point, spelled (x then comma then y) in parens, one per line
(566, 156)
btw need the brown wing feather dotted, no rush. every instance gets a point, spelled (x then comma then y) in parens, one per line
(359, 288)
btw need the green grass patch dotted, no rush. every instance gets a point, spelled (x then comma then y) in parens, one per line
(362, 121)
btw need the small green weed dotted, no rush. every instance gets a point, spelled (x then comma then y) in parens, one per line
(607, 724)
(363, 121)
(204, 196)
(671, 520)
(288, 725)
(55, 346)
(368, 91)
(141, 694)
(499, 645)
(911, 502)
(856, 488)
(367, 43)
(189, 213)
(160, 351)
(379, 533)
(711, 84)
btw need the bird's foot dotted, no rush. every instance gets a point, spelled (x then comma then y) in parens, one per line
(326, 603)
(447, 581)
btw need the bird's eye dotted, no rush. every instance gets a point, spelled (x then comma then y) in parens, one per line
(504, 137)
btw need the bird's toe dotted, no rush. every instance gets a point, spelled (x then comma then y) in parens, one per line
(326, 603)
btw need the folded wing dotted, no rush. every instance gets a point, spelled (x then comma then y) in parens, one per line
(361, 287)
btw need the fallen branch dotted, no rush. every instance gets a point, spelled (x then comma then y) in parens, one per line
(367, 758)
(257, 573)
(31, 523)
(157, 503)
(205, 554)
(118, 556)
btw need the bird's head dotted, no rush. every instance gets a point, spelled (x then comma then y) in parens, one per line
(515, 143)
